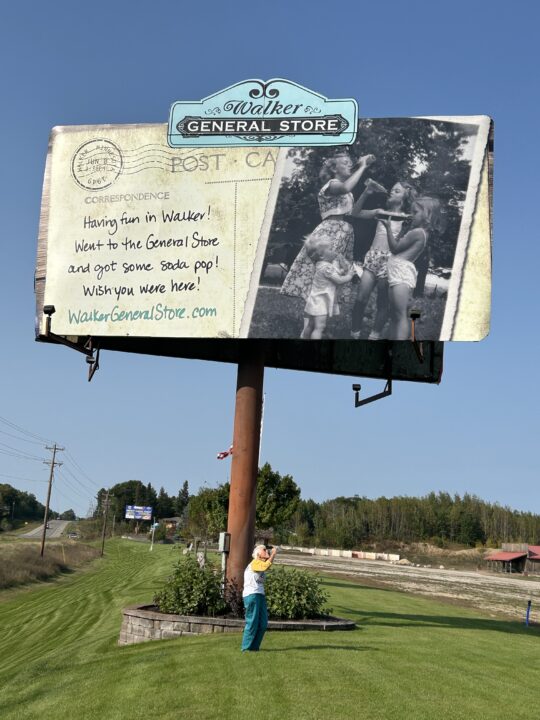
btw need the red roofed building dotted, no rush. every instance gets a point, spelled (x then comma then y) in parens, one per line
(509, 562)
(533, 559)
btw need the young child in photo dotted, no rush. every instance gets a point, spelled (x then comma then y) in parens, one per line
(331, 270)
(406, 249)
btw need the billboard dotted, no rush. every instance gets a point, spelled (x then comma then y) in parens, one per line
(138, 512)
(141, 240)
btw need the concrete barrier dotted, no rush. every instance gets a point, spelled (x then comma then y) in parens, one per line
(358, 554)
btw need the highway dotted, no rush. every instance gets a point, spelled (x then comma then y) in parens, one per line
(57, 527)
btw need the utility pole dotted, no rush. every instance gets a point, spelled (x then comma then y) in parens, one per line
(54, 449)
(105, 513)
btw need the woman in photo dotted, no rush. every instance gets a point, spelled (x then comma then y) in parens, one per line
(335, 202)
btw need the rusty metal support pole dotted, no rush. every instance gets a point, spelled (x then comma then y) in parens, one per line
(245, 459)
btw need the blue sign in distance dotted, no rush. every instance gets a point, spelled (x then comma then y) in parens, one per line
(277, 112)
(138, 512)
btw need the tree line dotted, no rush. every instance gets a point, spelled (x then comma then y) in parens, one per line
(17, 507)
(343, 522)
(439, 518)
(351, 522)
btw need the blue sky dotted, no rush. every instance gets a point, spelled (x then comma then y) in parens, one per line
(163, 420)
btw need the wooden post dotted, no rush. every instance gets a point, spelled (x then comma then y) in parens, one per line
(245, 460)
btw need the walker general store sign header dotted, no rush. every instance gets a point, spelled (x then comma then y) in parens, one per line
(142, 236)
(277, 112)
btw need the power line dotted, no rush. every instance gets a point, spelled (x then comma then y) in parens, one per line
(20, 429)
(66, 499)
(22, 457)
(73, 489)
(84, 487)
(72, 459)
(16, 477)
(34, 442)
(10, 447)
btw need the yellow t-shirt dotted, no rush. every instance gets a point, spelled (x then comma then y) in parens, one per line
(254, 577)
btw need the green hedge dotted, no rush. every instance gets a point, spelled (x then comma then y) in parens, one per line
(192, 590)
(293, 594)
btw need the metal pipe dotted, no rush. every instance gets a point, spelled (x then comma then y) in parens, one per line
(246, 440)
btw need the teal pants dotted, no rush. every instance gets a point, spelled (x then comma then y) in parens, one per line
(256, 621)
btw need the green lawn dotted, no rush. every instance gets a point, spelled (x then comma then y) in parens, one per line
(409, 658)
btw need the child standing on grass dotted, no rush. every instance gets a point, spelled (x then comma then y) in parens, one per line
(331, 270)
(406, 249)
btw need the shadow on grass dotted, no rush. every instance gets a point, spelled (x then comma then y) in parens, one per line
(462, 623)
(354, 648)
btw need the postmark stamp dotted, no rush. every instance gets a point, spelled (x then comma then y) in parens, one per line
(97, 164)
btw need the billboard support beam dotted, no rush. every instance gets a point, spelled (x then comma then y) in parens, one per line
(245, 460)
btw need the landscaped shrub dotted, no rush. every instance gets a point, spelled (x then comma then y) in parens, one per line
(295, 594)
(192, 590)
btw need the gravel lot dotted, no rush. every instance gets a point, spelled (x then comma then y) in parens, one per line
(493, 593)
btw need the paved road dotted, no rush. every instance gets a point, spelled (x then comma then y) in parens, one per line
(494, 593)
(57, 527)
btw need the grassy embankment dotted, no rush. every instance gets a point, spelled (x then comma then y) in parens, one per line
(21, 563)
(409, 658)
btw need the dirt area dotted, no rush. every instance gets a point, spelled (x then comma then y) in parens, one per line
(493, 593)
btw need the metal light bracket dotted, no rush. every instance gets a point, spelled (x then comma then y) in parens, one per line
(387, 388)
(93, 362)
(385, 393)
(85, 349)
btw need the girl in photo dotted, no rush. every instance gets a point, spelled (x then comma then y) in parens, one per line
(335, 202)
(374, 273)
(331, 270)
(406, 249)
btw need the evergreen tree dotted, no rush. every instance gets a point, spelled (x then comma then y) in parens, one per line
(182, 500)
(164, 505)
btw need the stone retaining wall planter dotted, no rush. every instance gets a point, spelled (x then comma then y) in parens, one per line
(142, 623)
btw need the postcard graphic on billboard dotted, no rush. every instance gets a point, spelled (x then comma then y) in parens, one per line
(356, 242)
(277, 113)
(138, 512)
(138, 239)
(141, 240)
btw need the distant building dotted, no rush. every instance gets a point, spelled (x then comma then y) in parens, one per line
(172, 523)
(533, 560)
(516, 557)
(507, 561)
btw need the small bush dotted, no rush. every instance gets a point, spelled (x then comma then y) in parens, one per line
(192, 590)
(295, 594)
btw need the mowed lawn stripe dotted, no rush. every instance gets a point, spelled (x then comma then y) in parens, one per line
(83, 607)
(409, 658)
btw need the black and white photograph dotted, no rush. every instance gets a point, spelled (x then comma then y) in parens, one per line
(357, 238)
